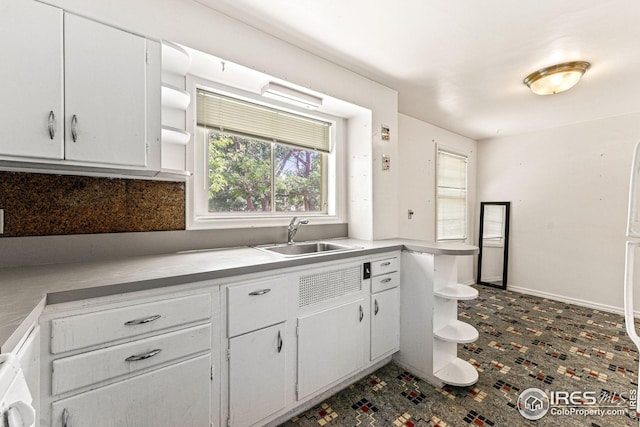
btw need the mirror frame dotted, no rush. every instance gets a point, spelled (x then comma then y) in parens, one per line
(507, 206)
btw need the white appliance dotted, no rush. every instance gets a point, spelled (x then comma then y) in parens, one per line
(633, 243)
(15, 398)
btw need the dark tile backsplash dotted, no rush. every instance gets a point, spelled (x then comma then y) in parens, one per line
(42, 204)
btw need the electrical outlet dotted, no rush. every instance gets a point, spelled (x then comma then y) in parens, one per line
(1, 221)
(386, 162)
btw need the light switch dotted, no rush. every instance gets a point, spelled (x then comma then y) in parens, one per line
(385, 133)
(386, 162)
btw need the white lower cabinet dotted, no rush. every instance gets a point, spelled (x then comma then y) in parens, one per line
(281, 341)
(385, 323)
(330, 346)
(257, 375)
(259, 345)
(178, 395)
(129, 363)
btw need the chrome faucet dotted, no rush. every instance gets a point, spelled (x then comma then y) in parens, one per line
(293, 228)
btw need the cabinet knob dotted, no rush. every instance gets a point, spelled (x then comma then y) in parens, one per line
(52, 125)
(260, 292)
(280, 342)
(74, 128)
(138, 357)
(142, 321)
(65, 417)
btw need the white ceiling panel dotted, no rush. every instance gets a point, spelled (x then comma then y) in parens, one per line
(459, 64)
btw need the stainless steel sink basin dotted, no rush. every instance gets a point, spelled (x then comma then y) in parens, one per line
(306, 248)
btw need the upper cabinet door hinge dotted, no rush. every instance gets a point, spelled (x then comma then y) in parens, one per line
(228, 354)
(212, 373)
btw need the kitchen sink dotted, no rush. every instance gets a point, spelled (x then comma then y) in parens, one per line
(306, 248)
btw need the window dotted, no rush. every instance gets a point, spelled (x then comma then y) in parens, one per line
(261, 161)
(451, 196)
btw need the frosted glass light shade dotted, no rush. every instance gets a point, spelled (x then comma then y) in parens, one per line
(557, 78)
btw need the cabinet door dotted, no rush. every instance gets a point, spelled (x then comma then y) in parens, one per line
(385, 322)
(256, 375)
(330, 346)
(178, 395)
(31, 80)
(105, 88)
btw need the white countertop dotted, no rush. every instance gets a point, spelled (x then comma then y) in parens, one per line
(26, 290)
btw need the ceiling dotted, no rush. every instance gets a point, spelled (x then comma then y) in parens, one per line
(459, 64)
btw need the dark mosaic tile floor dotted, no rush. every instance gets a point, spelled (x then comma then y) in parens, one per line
(524, 342)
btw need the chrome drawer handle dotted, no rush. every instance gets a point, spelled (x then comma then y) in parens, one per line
(65, 417)
(387, 280)
(260, 292)
(142, 321)
(361, 314)
(138, 357)
(52, 125)
(280, 342)
(375, 310)
(74, 128)
(385, 264)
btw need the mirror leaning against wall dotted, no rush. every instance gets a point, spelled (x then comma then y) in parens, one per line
(494, 244)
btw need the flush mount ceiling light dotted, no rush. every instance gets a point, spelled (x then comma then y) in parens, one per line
(291, 96)
(556, 78)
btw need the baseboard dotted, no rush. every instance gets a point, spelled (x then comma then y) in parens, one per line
(580, 302)
(469, 282)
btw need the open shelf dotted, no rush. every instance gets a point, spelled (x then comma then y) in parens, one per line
(456, 291)
(174, 97)
(174, 58)
(457, 373)
(172, 135)
(458, 332)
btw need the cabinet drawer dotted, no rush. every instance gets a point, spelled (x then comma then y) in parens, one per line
(95, 366)
(85, 330)
(256, 305)
(384, 266)
(387, 281)
(177, 395)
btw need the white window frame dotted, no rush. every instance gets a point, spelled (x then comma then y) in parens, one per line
(198, 216)
(459, 153)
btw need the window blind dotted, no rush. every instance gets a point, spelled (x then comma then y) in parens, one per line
(451, 196)
(233, 115)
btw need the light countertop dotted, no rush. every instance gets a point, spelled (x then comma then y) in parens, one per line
(26, 290)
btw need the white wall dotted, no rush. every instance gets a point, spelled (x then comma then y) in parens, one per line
(568, 191)
(417, 182)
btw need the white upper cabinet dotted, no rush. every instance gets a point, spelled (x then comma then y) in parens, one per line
(31, 113)
(105, 85)
(78, 94)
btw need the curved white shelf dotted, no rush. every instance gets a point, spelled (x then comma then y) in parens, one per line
(457, 292)
(458, 373)
(458, 332)
(175, 136)
(174, 58)
(173, 97)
